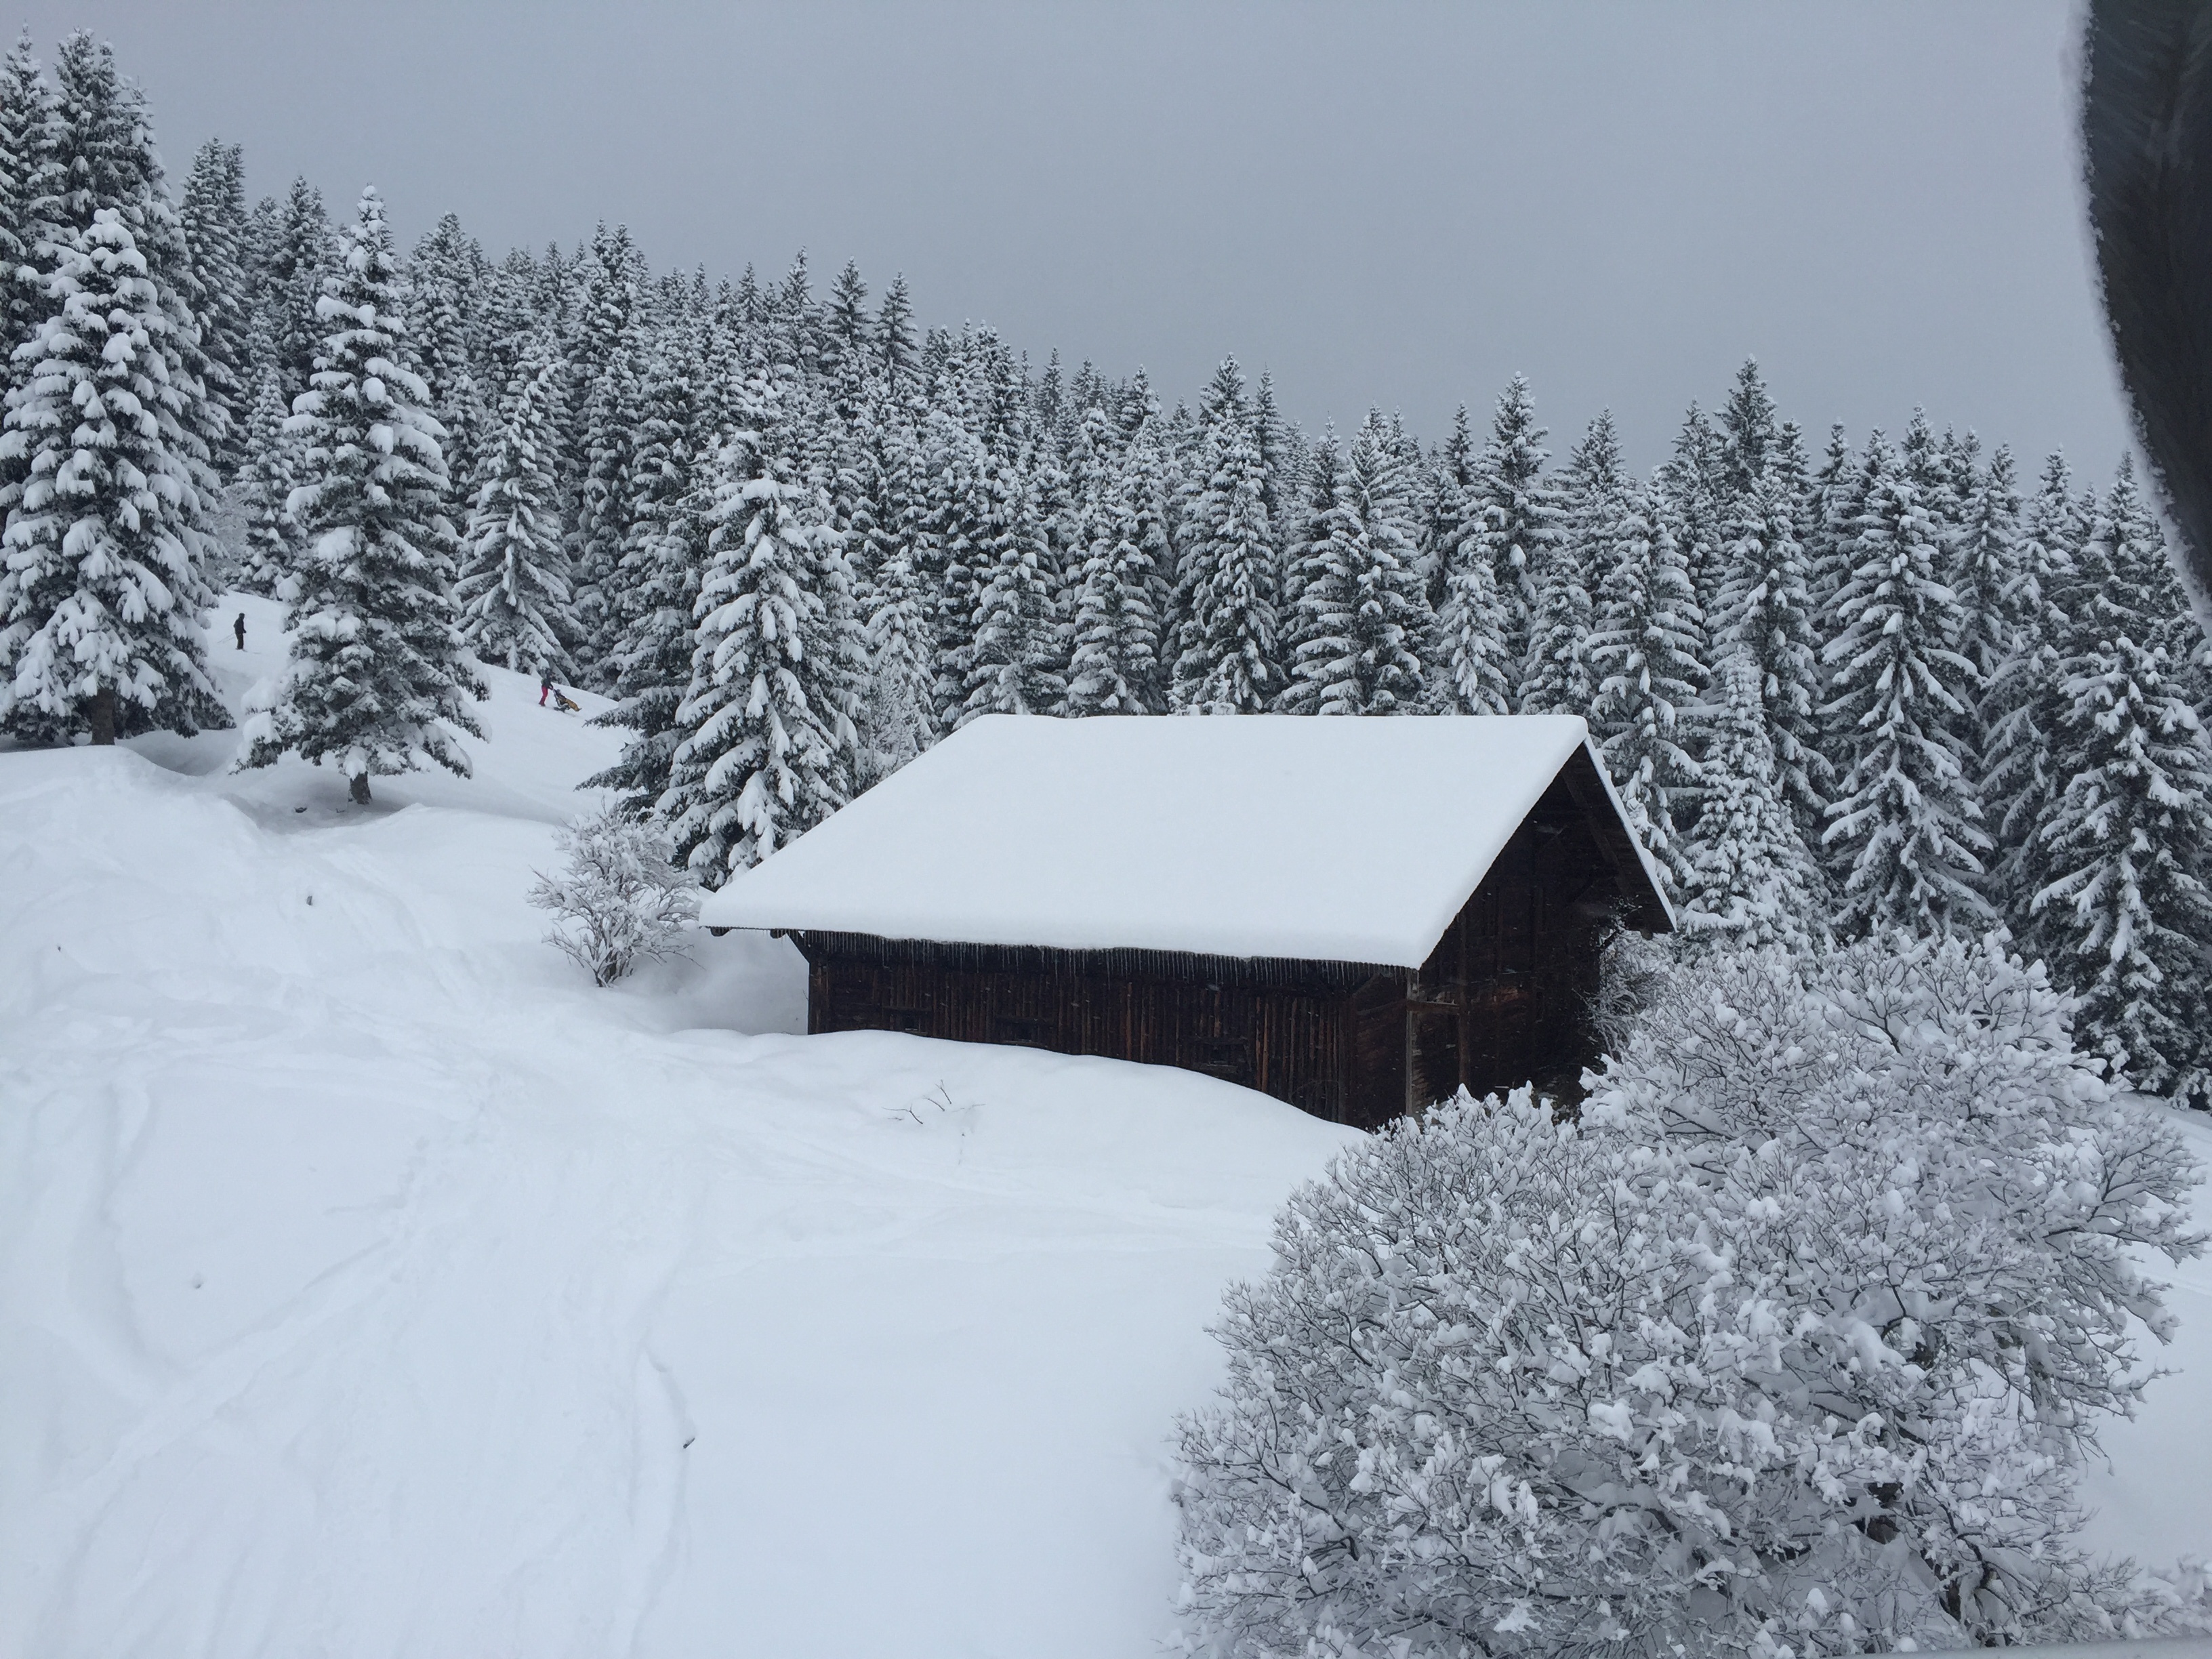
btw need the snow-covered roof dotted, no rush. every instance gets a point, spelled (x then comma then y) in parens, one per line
(1309, 837)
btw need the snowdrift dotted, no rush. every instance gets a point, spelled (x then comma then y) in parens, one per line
(375, 1287)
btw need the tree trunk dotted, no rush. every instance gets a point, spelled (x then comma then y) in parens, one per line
(359, 785)
(100, 713)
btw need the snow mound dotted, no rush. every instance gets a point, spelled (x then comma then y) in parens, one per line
(373, 1286)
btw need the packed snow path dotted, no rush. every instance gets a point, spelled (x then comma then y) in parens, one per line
(373, 1286)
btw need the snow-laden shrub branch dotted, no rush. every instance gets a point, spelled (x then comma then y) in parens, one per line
(1794, 1344)
(619, 900)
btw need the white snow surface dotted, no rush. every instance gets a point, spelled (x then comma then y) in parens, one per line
(370, 1285)
(2153, 1493)
(1258, 835)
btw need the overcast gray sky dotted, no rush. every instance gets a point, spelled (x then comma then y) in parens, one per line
(1399, 204)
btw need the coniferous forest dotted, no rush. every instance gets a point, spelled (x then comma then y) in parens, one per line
(1845, 682)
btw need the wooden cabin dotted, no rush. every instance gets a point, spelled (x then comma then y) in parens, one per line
(1357, 916)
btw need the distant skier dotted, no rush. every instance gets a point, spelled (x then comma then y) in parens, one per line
(545, 687)
(238, 629)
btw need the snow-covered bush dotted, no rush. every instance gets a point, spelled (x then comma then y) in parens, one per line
(620, 899)
(1794, 1341)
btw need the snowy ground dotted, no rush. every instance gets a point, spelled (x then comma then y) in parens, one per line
(370, 1286)
(373, 1286)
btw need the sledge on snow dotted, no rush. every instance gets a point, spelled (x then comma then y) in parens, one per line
(1355, 915)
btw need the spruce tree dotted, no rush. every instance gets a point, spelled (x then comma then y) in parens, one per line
(1361, 611)
(767, 736)
(1443, 506)
(894, 336)
(2129, 839)
(947, 545)
(1646, 654)
(26, 161)
(845, 325)
(899, 717)
(664, 561)
(1749, 878)
(1471, 670)
(513, 593)
(1982, 570)
(105, 579)
(1695, 479)
(292, 274)
(1012, 660)
(1114, 664)
(1905, 832)
(212, 217)
(1749, 439)
(1227, 660)
(2025, 700)
(1517, 511)
(446, 279)
(266, 482)
(1305, 551)
(1592, 501)
(107, 233)
(378, 679)
(1767, 615)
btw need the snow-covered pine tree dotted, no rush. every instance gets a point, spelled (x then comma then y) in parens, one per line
(1749, 438)
(445, 277)
(513, 594)
(898, 716)
(1982, 569)
(1767, 615)
(212, 217)
(27, 159)
(291, 273)
(1305, 542)
(378, 679)
(1361, 611)
(1905, 834)
(1515, 508)
(1750, 879)
(1825, 521)
(1227, 660)
(1694, 477)
(1113, 665)
(1592, 501)
(105, 578)
(948, 537)
(766, 749)
(2025, 700)
(1470, 670)
(2128, 842)
(265, 483)
(1013, 656)
(1446, 483)
(1646, 654)
(845, 330)
(99, 157)
(893, 336)
(664, 560)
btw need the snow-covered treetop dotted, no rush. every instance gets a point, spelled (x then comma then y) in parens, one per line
(1247, 836)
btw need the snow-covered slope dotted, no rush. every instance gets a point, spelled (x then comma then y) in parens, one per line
(2153, 1496)
(369, 1285)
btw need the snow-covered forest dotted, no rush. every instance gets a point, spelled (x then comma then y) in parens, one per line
(374, 1269)
(1843, 681)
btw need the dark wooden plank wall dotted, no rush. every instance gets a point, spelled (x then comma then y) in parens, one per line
(1276, 1027)
(1501, 1001)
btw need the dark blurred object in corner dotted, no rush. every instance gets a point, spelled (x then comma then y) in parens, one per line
(2146, 143)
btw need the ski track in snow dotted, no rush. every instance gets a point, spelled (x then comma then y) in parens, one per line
(375, 1287)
